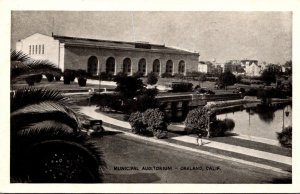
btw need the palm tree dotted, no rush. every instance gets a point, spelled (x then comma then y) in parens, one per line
(46, 143)
(22, 67)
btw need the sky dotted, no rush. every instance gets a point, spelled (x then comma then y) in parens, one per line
(220, 36)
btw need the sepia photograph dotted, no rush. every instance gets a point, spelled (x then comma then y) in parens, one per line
(151, 96)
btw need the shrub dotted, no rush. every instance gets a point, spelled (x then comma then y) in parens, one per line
(197, 120)
(70, 73)
(81, 73)
(67, 79)
(182, 87)
(166, 75)
(178, 75)
(57, 78)
(106, 76)
(285, 137)
(155, 119)
(229, 124)
(128, 86)
(138, 74)
(152, 78)
(152, 121)
(111, 101)
(136, 122)
(218, 128)
(81, 81)
(38, 78)
(50, 77)
(146, 100)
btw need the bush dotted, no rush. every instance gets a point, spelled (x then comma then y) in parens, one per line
(81, 81)
(70, 73)
(197, 120)
(178, 75)
(128, 86)
(67, 80)
(218, 128)
(136, 122)
(138, 74)
(229, 124)
(182, 87)
(81, 73)
(38, 78)
(152, 78)
(285, 137)
(152, 121)
(106, 76)
(166, 75)
(111, 101)
(57, 78)
(49, 77)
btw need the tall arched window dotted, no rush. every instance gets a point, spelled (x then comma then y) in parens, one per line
(142, 66)
(156, 66)
(127, 66)
(92, 65)
(181, 67)
(169, 67)
(110, 65)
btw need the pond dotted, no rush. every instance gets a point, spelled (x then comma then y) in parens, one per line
(260, 121)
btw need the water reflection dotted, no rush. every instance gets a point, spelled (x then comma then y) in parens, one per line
(262, 121)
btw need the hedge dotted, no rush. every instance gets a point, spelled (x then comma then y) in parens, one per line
(182, 87)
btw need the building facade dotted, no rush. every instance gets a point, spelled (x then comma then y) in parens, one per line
(97, 56)
(205, 67)
(252, 67)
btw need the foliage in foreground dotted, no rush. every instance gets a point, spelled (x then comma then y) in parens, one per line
(151, 122)
(22, 67)
(46, 143)
(285, 137)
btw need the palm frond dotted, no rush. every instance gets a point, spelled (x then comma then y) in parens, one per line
(40, 126)
(24, 150)
(27, 96)
(18, 56)
(43, 67)
(22, 66)
(43, 111)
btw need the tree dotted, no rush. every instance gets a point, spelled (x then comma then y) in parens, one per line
(201, 78)
(268, 76)
(128, 86)
(152, 78)
(197, 121)
(46, 143)
(227, 79)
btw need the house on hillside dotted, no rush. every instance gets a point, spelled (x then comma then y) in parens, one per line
(252, 67)
(205, 67)
(97, 56)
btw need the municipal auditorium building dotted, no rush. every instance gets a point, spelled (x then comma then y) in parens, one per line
(108, 56)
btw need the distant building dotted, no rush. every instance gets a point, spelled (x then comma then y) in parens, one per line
(234, 66)
(252, 67)
(97, 56)
(205, 67)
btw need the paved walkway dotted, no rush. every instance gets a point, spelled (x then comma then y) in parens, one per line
(190, 140)
(238, 149)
